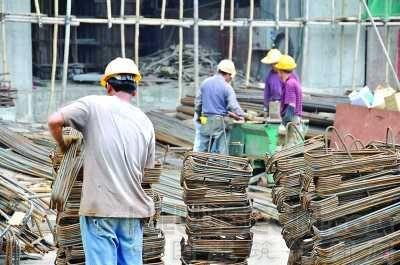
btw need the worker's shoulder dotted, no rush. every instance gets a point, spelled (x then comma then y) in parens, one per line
(293, 82)
(141, 117)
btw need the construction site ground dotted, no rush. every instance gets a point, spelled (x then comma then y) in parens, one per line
(268, 245)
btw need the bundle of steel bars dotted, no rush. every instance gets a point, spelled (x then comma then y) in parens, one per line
(346, 208)
(219, 212)
(153, 237)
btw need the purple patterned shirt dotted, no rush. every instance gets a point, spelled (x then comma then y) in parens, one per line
(292, 95)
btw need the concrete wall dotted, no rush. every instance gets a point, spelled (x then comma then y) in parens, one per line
(331, 50)
(19, 58)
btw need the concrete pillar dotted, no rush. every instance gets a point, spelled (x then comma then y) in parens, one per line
(19, 58)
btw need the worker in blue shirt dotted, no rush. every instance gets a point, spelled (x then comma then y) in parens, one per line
(216, 100)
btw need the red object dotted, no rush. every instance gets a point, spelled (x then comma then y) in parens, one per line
(366, 124)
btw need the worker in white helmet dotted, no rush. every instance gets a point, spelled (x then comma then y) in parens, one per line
(216, 100)
(119, 144)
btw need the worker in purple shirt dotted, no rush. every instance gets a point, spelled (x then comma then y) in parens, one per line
(216, 100)
(292, 95)
(273, 84)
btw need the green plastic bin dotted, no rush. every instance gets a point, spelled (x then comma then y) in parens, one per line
(383, 8)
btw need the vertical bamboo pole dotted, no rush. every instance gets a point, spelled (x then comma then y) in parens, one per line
(222, 16)
(196, 43)
(387, 42)
(305, 39)
(66, 51)
(333, 11)
(4, 44)
(163, 7)
(38, 14)
(137, 44)
(122, 13)
(54, 59)
(232, 15)
(357, 47)
(109, 14)
(378, 35)
(277, 13)
(341, 43)
(250, 50)
(287, 29)
(180, 73)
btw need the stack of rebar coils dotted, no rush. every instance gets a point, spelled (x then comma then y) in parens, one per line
(66, 198)
(339, 206)
(153, 237)
(219, 211)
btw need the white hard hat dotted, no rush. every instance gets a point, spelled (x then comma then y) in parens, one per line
(120, 66)
(272, 57)
(227, 66)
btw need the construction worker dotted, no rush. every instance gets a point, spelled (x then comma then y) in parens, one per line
(273, 84)
(119, 144)
(292, 96)
(216, 100)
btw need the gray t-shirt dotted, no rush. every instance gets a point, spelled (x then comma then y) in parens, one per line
(119, 144)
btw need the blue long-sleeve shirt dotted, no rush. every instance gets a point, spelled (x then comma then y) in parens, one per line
(217, 97)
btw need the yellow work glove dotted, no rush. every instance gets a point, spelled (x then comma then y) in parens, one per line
(67, 141)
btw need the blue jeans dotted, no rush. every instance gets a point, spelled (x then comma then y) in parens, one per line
(112, 241)
(214, 136)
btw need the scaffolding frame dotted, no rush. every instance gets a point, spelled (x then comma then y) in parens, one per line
(183, 22)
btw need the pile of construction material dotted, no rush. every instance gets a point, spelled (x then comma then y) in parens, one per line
(66, 198)
(219, 211)
(339, 206)
(153, 237)
(25, 179)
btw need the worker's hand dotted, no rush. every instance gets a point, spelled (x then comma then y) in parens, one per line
(235, 116)
(67, 141)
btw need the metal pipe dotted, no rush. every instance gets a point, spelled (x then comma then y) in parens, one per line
(54, 60)
(382, 44)
(222, 16)
(196, 43)
(122, 12)
(357, 47)
(250, 49)
(66, 51)
(232, 15)
(180, 72)
(305, 39)
(163, 7)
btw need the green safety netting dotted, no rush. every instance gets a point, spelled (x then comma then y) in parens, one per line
(383, 8)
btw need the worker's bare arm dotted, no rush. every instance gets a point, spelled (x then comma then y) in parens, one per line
(56, 123)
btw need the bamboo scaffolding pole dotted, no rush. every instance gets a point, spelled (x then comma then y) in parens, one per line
(180, 71)
(54, 60)
(222, 16)
(232, 15)
(163, 7)
(187, 22)
(277, 13)
(122, 13)
(66, 51)
(4, 44)
(357, 48)
(305, 39)
(37, 9)
(341, 43)
(196, 43)
(387, 42)
(109, 14)
(250, 49)
(137, 31)
(333, 11)
(286, 29)
(382, 45)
